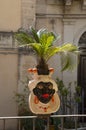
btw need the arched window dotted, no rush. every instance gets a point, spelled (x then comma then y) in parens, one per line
(82, 74)
(82, 41)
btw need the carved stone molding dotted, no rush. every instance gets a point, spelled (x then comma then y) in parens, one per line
(6, 40)
(69, 21)
(53, 2)
(68, 2)
(83, 4)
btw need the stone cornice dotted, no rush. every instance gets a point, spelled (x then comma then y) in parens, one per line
(8, 51)
(70, 16)
(74, 16)
(25, 51)
(69, 21)
(17, 50)
(68, 4)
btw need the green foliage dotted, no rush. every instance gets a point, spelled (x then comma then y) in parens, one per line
(21, 98)
(69, 101)
(42, 41)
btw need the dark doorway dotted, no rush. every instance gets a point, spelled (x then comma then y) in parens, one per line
(82, 74)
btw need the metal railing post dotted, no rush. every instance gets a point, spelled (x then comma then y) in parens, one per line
(75, 123)
(34, 123)
(62, 123)
(19, 124)
(48, 120)
(3, 124)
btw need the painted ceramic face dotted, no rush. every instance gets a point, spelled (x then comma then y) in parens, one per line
(44, 91)
(43, 97)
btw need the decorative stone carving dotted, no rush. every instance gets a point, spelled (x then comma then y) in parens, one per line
(53, 2)
(68, 2)
(83, 4)
(6, 40)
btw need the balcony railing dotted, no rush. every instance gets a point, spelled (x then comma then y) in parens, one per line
(18, 118)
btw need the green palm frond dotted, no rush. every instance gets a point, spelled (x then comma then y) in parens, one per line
(41, 31)
(42, 42)
(68, 47)
(68, 61)
(46, 40)
(34, 34)
(51, 51)
(47, 37)
(38, 48)
(68, 54)
(23, 38)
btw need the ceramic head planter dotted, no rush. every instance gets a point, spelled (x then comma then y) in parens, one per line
(43, 98)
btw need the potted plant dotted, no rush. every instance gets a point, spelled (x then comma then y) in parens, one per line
(69, 102)
(43, 44)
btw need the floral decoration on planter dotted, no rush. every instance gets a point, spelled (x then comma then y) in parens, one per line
(43, 98)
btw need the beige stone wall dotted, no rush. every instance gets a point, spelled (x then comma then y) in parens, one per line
(8, 85)
(28, 13)
(10, 15)
(25, 62)
(69, 21)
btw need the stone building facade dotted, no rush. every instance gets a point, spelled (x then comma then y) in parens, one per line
(65, 17)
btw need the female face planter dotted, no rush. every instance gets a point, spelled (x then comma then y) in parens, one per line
(43, 98)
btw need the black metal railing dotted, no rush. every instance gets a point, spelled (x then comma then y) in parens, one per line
(18, 118)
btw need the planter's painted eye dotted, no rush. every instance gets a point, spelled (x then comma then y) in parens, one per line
(51, 87)
(40, 86)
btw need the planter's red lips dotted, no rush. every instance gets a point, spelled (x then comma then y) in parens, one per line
(45, 95)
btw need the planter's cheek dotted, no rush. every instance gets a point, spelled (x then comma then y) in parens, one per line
(38, 107)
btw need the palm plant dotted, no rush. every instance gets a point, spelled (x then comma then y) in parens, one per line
(42, 41)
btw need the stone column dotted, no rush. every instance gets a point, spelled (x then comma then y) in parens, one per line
(68, 35)
(28, 13)
(68, 30)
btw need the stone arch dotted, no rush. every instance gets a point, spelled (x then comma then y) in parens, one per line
(78, 35)
(82, 70)
(82, 40)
